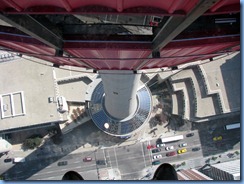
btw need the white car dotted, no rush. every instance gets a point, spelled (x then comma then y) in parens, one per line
(183, 145)
(19, 159)
(169, 148)
(157, 156)
(160, 145)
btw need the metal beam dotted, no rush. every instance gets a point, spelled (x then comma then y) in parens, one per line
(14, 5)
(35, 29)
(175, 25)
(66, 5)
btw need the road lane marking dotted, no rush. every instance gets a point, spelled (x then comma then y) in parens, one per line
(131, 173)
(143, 155)
(49, 177)
(104, 157)
(110, 159)
(149, 151)
(129, 158)
(48, 172)
(116, 158)
(104, 154)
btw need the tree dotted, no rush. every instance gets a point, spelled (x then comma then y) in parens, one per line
(32, 142)
(237, 152)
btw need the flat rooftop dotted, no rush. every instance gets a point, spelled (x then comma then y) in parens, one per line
(73, 82)
(25, 86)
(225, 75)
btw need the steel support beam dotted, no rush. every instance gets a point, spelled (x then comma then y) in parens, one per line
(175, 25)
(35, 29)
(13, 5)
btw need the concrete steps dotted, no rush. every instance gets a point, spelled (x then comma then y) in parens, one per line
(181, 90)
(190, 92)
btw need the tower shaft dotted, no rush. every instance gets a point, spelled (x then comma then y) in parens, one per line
(120, 88)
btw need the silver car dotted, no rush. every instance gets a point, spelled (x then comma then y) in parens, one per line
(160, 145)
(169, 148)
(183, 145)
(157, 156)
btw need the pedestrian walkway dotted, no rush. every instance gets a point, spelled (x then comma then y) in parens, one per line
(109, 174)
(201, 161)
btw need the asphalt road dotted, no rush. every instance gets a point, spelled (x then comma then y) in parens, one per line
(130, 160)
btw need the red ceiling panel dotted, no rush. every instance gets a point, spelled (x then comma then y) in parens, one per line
(41, 52)
(225, 6)
(124, 58)
(110, 58)
(112, 6)
(119, 55)
(82, 3)
(169, 6)
(184, 55)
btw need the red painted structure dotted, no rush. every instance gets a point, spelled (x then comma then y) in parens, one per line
(120, 53)
(157, 7)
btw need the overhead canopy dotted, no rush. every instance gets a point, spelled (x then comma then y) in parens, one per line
(82, 33)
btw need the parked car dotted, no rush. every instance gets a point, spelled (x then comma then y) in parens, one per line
(172, 153)
(230, 155)
(151, 146)
(101, 162)
(8, 160)
(169, 148)
(156, 162)
(156, 150)
(157, 156)
(62, 163)
(183, 145)
(184, 150)
(160, 145)
(217, 138)
(196, 149)
(190, 135)
(87, 159)
(18, 160)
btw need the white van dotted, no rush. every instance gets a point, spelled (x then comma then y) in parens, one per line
(19, 159)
